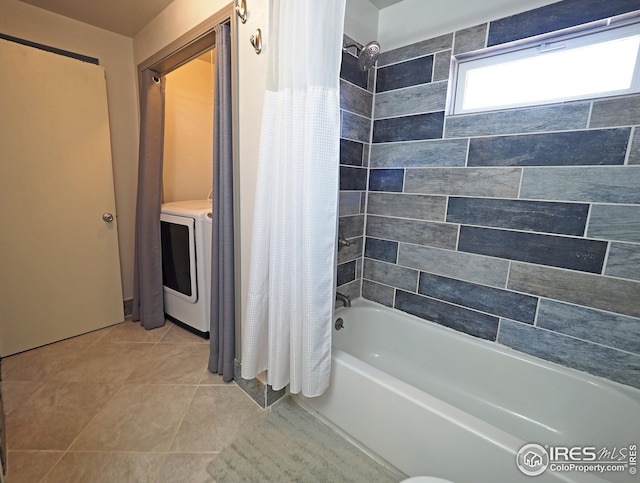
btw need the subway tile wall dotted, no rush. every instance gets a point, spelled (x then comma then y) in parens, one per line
(520, 226)
(356, 104)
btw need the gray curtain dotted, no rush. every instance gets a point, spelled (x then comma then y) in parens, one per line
(222, 348)
(148, 303)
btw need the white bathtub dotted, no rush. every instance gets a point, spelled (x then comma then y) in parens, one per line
(433, 401)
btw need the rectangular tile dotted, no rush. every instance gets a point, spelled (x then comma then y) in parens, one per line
(540, 216)
(386, 180)
(442, 66)
(412, 231)
(481, 182)
(378, 292)
(405, 74)
(605, 328)
(351, 226)
(351, 251)
(411, 100)
(437, 152)
(351, 152)
(355, 99)
(350, 203)
(463, 266)
(584, 356)
(624, 111)
(463, 320)
(350, 72)
(383, 250)
(390, 274)
(595, 147)
(606, 184)
(408, 128)
(355, 127)
(634, 150)
(346, 273)
(422, 207)
(623, 261)
(563, 252)
(556, 16)
(470, 39)
(418, 49)
(615, 222)
(352, 289)
(352, 178)
(494, 301)
(558, 117)
(599, 292)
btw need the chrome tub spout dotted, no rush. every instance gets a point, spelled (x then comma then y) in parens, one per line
(346, 301)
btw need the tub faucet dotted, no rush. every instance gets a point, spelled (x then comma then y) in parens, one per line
(346, 301)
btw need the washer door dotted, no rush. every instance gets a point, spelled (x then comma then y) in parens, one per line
(179, 256)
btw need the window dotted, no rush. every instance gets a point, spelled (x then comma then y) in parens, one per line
(594, 63)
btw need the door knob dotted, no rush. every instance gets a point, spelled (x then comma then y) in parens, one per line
(108, 217)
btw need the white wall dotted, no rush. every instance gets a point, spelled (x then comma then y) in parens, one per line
(176, 20)
(361, 21)
(115, 53)
(188, 144)
(414, 20)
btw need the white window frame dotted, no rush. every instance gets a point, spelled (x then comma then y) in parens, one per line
(589, 34)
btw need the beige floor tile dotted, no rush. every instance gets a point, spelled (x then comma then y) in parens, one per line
(105, 362)
(214, 418)
(172, 364)
(186, 468)
(53, 415)
(129, 331)
(178, 334)
(30, 466)
(137, 418)
(15, 393)
(209, 378)
(106, 468)
(39, 364)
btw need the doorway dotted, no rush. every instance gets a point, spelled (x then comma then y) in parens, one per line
(188, 130)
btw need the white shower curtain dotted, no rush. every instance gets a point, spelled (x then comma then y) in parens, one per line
(287, 330)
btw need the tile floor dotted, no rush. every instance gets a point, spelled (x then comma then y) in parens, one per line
(120, 404)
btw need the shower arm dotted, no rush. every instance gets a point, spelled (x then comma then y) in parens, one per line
(346, 48)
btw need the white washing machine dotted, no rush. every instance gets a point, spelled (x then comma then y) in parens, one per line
(186, 262)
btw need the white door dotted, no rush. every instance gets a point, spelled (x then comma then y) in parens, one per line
(59, 262)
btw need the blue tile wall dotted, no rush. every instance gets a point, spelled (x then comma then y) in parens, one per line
(539, 216)
(519, 226)
(404, 74)
(596, 147)
(353, 178)
(351, 152)
(556, 16)
(409, 128)
(556, 251)
(479, 297)
(465, 320)
(386, 180)
(383, 250)
(356, 104)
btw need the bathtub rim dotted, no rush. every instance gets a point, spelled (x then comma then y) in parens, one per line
(602, 383)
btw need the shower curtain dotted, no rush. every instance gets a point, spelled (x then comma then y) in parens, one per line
(223, 339)
(148, 303)
(287, 330)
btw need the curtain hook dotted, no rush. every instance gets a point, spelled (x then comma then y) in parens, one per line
(241, 11)
(256, 41)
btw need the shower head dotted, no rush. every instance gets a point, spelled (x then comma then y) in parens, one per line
(367, 55)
